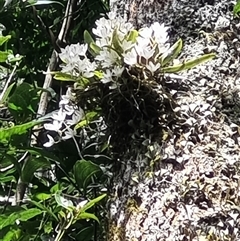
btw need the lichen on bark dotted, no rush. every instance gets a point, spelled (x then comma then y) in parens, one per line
(181, 183)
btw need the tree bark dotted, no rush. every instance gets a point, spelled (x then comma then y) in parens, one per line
(184, 185)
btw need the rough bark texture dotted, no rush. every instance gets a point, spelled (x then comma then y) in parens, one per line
(185, 186)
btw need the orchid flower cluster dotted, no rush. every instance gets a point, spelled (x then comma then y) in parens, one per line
(117, 45)
(63, 120)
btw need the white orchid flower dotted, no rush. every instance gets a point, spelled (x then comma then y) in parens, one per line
(54, 126)
(68, 134)
(50, 142)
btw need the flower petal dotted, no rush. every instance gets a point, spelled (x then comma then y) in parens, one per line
(50, 142)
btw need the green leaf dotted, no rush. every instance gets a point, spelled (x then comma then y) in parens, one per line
(132, 36)
(3, 56)
(29, 213)
(87, 119)
(25, 90)
(22, 215)
(14, 58)
(189, 64)
(99, 74)
(87, 37)
(17, 103)
(42, 196)
(236, 8)
(41, 152)
(7, 179)
(31, 165)
(48, 90)
(6, 173)
(85, 233)
(7, 92)
(43, 208)
(10, 158)
(31, 1)
(23, 102)
(48, 227)
(87, 216)
(82, 81)
(92, 202)
(63, 202)
(96, 50)
(89, 40)
(4, 39)
(116, 42)
(83, 172)
(12, 235)
(172, 53)
(6, 134)
(63, 77)
(55, 188)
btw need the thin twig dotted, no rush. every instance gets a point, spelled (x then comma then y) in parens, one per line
(8, 81)
(21, 186)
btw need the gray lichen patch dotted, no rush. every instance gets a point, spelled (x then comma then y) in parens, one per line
(186, 185)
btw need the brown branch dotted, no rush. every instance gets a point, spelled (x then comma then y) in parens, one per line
(62, 37)
(21, 186)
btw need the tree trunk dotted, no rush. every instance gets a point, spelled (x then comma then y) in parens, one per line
(184, 183)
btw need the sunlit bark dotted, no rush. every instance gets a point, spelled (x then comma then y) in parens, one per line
(183, 184)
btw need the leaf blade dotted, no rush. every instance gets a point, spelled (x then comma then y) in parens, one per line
(6, 134)
(189, 64)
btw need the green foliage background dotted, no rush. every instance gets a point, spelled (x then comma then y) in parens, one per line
(50, 211)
